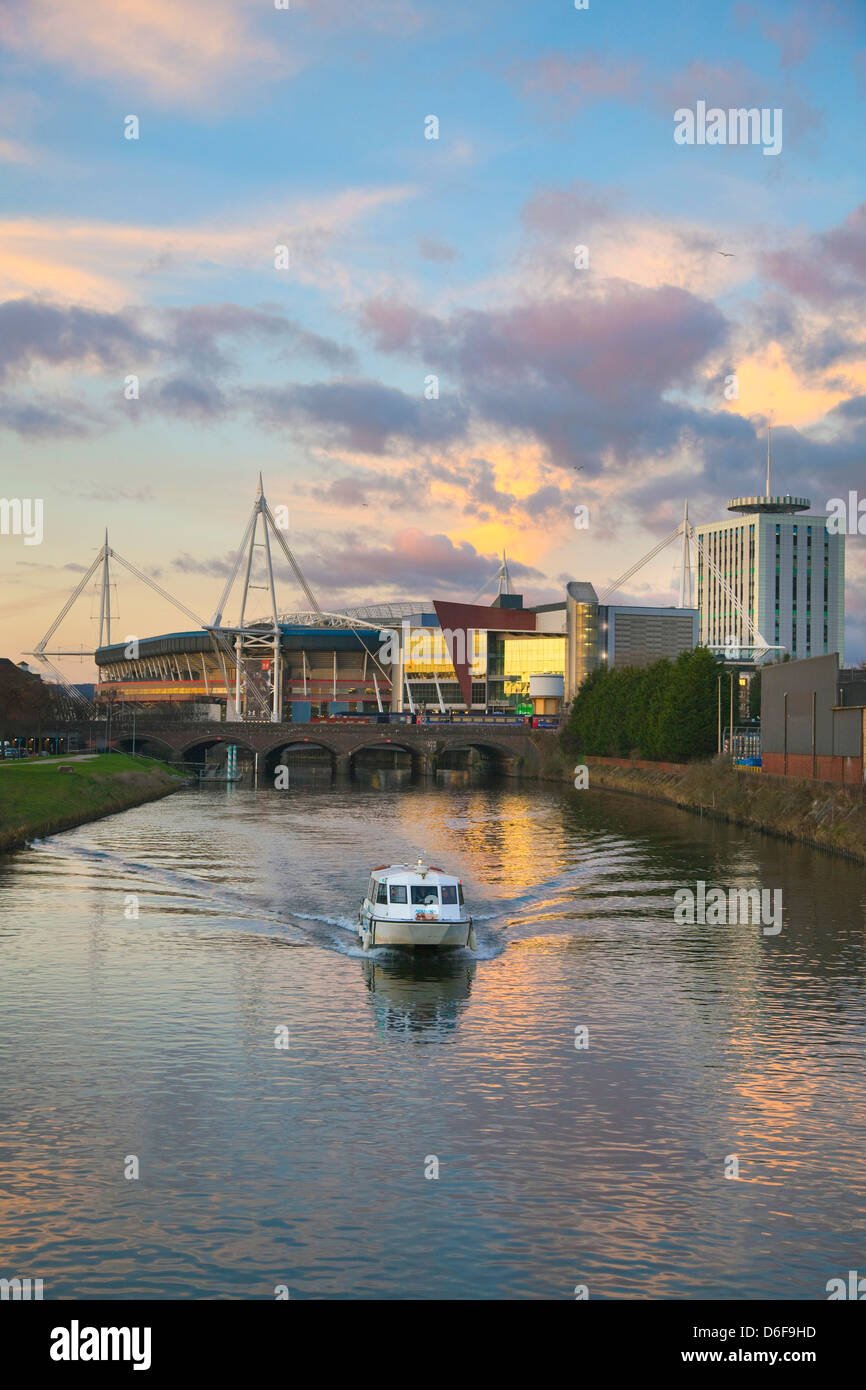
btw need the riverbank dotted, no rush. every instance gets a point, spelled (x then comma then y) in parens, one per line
(819, 814)
(42, 797)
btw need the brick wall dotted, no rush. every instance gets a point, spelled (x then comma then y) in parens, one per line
(828, 768)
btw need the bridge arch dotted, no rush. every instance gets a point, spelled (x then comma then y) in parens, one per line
(499, 756)
(386, 744)
(271, 758)
(195, 750)
(150, 745)
(417, 755)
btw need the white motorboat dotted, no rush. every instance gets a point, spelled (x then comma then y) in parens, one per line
(414, 905)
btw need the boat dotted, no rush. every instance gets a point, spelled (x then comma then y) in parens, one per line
(414, 905)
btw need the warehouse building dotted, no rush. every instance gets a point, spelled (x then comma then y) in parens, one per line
(813, 717)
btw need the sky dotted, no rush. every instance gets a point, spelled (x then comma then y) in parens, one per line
(441, 272)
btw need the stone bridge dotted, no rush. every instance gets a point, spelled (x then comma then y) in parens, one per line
(511, 749)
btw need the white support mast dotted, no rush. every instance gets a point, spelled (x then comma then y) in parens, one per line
(263, 639)
(687, 532)
(504, 577)
(232, 644)
(105, 555)
(686, 573)
(105, 596)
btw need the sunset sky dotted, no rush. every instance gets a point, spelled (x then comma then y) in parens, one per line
(409, 257)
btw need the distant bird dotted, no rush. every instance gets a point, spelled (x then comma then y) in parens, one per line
(726, 253)
(578, 468)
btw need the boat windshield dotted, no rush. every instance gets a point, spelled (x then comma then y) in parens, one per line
(425, 894)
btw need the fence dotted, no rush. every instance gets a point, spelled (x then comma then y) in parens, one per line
(540, 721)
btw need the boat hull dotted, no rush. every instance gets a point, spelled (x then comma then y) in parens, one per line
(439, 935)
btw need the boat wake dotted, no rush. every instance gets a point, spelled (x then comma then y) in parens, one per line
(203, 900)
(519, 916)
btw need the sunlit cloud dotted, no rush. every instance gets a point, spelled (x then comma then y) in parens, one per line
(180, 52)
(769, 385)
(109, 263)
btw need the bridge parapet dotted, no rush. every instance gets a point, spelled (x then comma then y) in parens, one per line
(515, 747)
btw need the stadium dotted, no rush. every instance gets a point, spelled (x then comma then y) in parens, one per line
(376, 660)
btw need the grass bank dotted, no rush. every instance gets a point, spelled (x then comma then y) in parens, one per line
(819, 814)
(41, 797)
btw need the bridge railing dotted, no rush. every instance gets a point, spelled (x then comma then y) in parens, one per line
(536, 721)
(223, 731)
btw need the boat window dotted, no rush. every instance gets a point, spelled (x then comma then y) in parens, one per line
(398, 893)
(371, 891)
(382, 892)
(460, 894)
(449, 893)
(425, 894)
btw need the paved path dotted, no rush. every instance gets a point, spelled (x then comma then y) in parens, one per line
(48, 762)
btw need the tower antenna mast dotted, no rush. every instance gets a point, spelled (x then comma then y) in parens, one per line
(769, 427)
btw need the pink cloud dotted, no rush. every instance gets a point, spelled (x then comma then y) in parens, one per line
(828, 267)
(570, 83)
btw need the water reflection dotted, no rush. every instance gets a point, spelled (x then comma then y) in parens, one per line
(298, 775)
(458, 776)
(383, 779)
(420, 995)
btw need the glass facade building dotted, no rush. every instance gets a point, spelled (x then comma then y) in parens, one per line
(620, 634)
(514, 659)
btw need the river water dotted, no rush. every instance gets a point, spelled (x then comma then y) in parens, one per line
(310, 1166)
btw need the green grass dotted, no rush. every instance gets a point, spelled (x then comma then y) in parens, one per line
(37, 798)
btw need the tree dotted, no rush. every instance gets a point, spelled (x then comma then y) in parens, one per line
(688, 726)
(665, 711)
(25, 701)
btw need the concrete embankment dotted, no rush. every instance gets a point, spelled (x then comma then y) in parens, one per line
(819, 814)
(44, 796)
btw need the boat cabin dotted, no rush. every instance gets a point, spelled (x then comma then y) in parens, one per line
(402, 892)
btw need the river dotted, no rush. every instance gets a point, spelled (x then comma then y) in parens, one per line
(566, 1159)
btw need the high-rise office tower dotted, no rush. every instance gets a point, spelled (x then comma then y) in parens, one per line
(784, 578)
